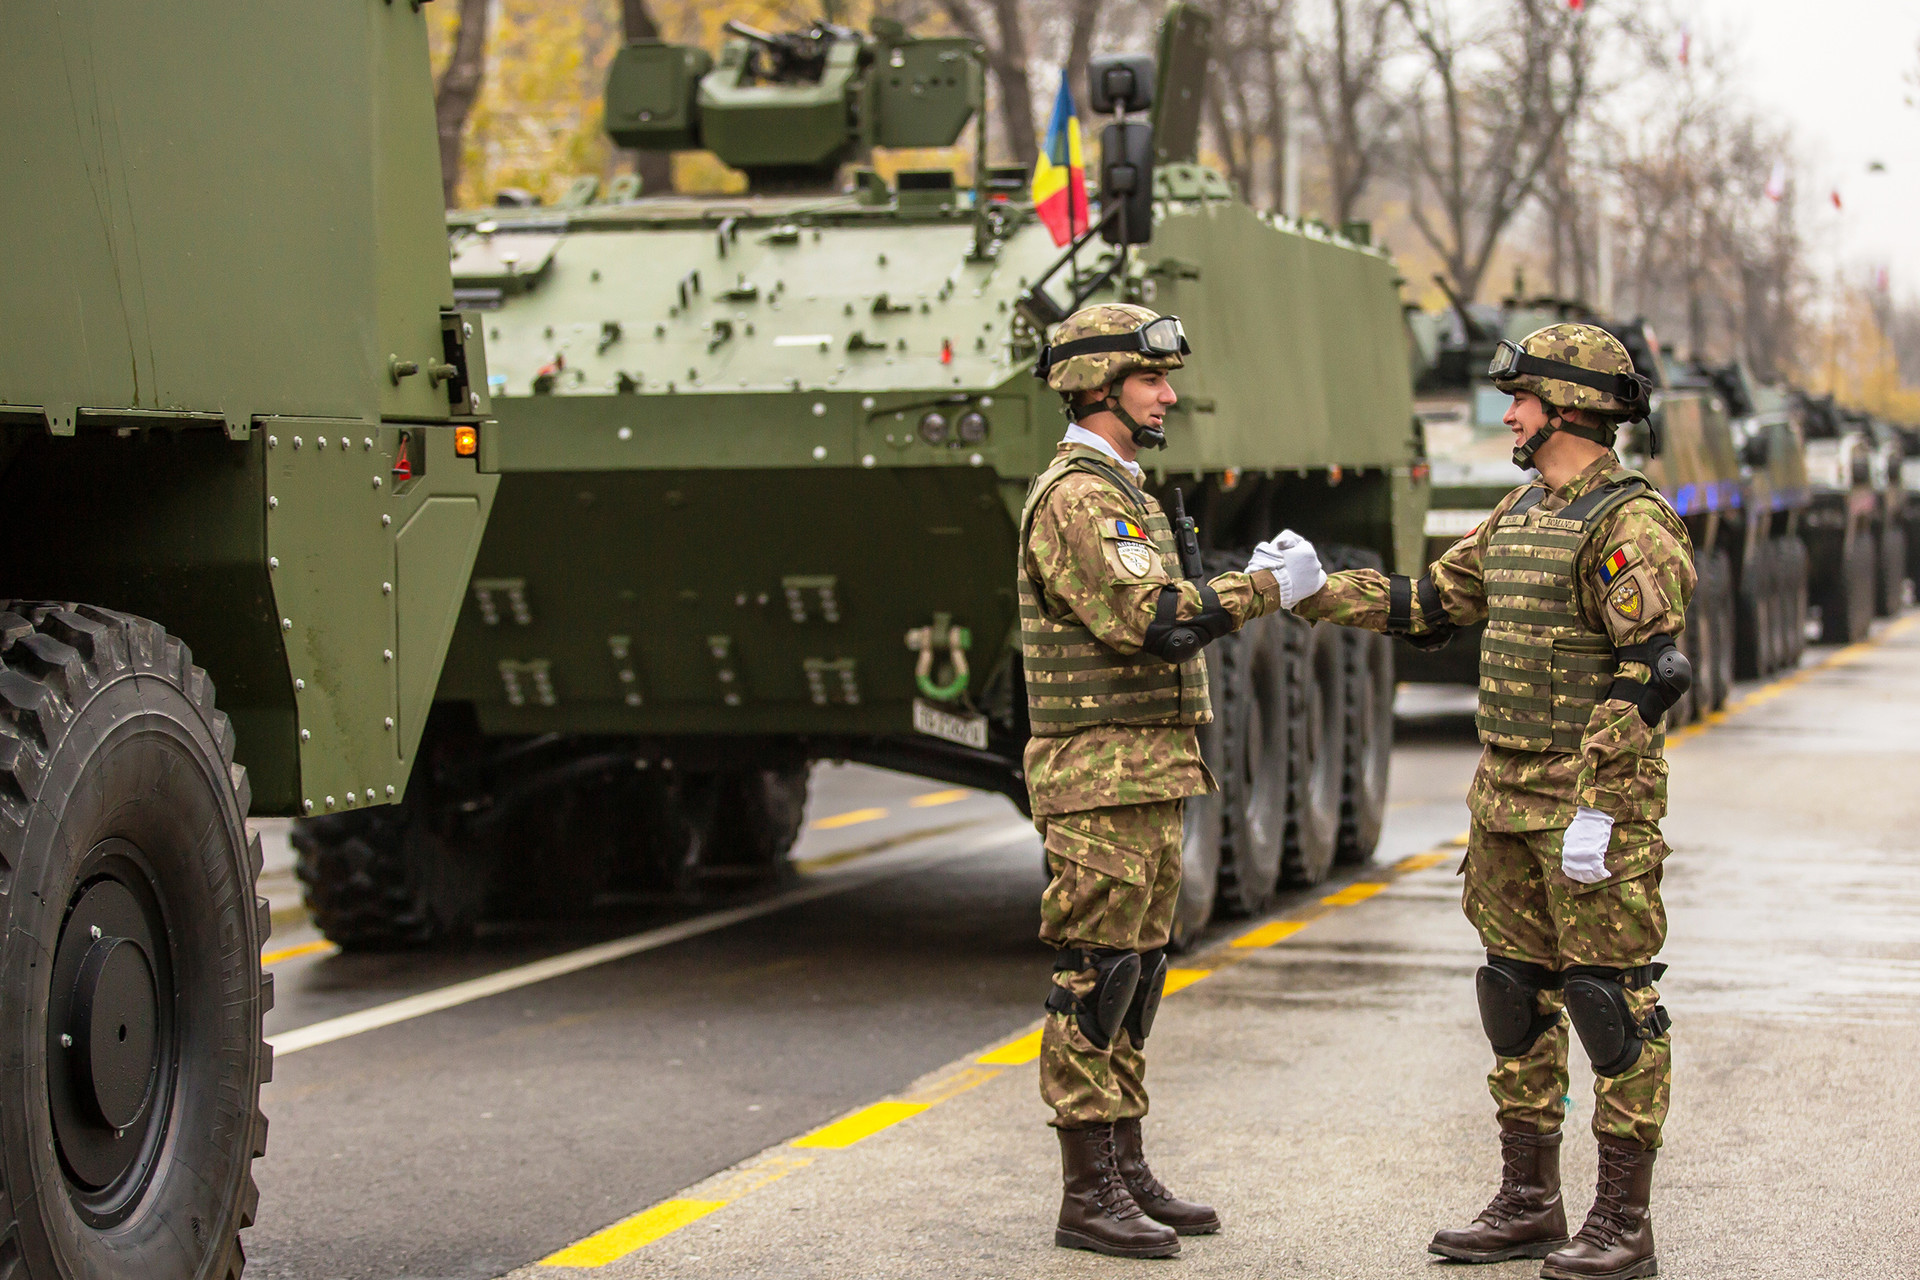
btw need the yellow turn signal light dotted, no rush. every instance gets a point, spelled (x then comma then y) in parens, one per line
(466, 441)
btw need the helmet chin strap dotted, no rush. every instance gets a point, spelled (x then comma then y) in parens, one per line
(1524, 451)
(1144, 436)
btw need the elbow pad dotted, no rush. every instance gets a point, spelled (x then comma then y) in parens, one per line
(1400, 592)
(1672, 677)
(1177, 639)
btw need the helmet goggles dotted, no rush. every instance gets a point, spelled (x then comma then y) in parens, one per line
(1511, 361)
(1158, 339)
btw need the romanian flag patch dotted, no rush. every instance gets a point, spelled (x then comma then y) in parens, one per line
(1613, 566)
(1128, 529)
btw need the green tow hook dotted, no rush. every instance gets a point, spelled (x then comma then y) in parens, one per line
(925, 641)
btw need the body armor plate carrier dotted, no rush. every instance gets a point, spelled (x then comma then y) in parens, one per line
(1073, 680)
(1542, 669)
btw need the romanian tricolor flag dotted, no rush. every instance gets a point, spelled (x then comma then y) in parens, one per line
(1060, 175)
(1610, 567)
(1128, 529)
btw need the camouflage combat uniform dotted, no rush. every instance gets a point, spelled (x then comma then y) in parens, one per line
(1633, 576)
(1114, 751)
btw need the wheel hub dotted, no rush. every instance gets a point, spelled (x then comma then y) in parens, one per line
(109, 1057)
(112, 1019)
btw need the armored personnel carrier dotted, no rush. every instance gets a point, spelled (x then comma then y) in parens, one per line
(234, 409)
(1738, 486)
(761, 458)
(1894, 522)
(1841, 527)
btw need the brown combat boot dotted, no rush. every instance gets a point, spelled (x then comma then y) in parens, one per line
(1158, 1203)
(1097, 1212)
(1616, 1241)
(1525, 1218)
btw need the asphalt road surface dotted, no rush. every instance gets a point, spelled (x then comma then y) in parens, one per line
(636, 1094)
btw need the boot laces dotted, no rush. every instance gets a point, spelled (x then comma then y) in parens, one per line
(1609, 1220)
(1511, 1200)
(1113, 1196)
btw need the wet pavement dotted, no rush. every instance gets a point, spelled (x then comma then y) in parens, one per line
(1325, 1090)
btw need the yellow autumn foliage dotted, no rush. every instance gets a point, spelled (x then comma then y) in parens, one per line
(1852, 357)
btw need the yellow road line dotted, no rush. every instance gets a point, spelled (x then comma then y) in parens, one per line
(1269, 933)
(662, 1219)
(1181, 979)
(862, 1124)
(622, 1238)
(1017, 1053)
(849, 818)
(304, 949)
(933, 798)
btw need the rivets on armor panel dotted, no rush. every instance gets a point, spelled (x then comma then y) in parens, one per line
(306, 735)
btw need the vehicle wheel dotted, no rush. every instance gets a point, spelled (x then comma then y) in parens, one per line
(1720, 571)
(1367, 668)
(1248, 667)
(1200, 848)
(1756, 629)
(757, 813)
(385, 878)
(1862, 575)
(1317, 735)
(1891, 595)
(130, 1101)
(1795, 592)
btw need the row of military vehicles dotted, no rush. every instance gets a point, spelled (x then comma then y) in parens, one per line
(544, 566)
(1803, 514)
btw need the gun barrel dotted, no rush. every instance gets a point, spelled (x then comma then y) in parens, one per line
(736, 27)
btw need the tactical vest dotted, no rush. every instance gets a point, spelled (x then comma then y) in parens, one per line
(1542, 670)
(1074, 681)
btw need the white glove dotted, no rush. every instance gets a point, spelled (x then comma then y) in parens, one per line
(1583, 855)
(1294, 565)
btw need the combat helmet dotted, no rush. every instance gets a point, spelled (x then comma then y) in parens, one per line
(1571, 366)
(1099, 346)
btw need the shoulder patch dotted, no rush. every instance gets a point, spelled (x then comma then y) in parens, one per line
(1627, 600)
(1135, 557)
(1123, 528)
(1616, 562)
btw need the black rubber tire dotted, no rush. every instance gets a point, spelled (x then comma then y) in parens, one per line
(120, 806)
(1200, 849)
(1756, 623)
(1846, 613)
(385, 878)
(1247, 671)
(1317, 741)
(1890, 588)
(757, 814)
(1720, 574)
(1367, 667)
(1796, 593)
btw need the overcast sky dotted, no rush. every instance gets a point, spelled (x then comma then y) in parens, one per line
(1833, 70)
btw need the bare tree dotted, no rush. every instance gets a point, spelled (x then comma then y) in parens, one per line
(459, 86)
(1486, 119)
(1342, 72)
(1247, 94)
(1000, 27)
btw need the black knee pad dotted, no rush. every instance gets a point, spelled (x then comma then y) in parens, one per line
(1509, 991)
(1104, 1010)
(1146, 996)
(1597, 1003)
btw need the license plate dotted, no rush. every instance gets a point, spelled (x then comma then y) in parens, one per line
(965, 728)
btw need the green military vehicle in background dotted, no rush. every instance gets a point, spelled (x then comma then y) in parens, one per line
(1738, 498)
(231, 387)
(761, 459)
(1894, 523)
(1841, 527)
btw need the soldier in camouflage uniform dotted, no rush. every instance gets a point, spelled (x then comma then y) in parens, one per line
(1111, 639)
(1583, 577)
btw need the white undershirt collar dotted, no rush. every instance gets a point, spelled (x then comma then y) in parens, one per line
(1077, 434)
